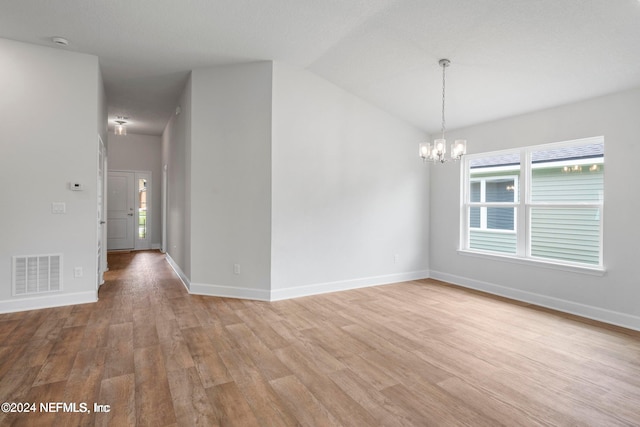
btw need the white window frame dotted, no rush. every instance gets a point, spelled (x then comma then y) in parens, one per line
(523, 206)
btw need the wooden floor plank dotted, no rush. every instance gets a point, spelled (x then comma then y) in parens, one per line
(302, 403)
(231, 407)
(119, 393)
(154, 406)
(259, 394)
(190, 400)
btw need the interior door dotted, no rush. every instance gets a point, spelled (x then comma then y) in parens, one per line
(120, 210)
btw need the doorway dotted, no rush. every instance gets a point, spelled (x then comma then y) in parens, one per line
(129, 210)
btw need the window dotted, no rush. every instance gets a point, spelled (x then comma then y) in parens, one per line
(540, 203)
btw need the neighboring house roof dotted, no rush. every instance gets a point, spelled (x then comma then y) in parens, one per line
(587, 151)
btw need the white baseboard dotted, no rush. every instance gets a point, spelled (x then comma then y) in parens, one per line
(344, 285)
(229, 291)
(183, 277)
(595, 313)
(47, 301)
(300, 291)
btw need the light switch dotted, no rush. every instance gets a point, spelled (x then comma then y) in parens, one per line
(58, 207)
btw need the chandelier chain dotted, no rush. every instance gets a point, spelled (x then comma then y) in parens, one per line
(443, 87)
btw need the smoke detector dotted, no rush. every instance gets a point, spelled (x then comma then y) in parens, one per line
(60, 41)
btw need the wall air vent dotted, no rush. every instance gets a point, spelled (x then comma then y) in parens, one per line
(35, 274)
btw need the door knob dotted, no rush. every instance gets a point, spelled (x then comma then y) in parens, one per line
(103, 222)
(130, 214)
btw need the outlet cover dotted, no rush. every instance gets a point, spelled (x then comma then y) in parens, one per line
(58, 207)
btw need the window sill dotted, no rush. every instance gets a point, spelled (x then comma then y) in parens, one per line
(593, 271)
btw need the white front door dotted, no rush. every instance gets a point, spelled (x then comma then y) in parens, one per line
(120, 212)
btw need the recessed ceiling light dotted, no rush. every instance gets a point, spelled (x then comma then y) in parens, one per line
(60, 41)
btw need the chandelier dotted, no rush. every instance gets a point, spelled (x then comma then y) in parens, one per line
(437, 151)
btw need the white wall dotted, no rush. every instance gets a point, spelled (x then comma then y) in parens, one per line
(349, 191)
(141, 153)
(613, 297)
(50, 108)
(176, 149)
(231, 180)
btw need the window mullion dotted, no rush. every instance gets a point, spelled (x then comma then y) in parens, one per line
(523, 238)
(483, 199)
(465, 194)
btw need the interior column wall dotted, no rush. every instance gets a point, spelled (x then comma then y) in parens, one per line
(51, 106)
(231, 180)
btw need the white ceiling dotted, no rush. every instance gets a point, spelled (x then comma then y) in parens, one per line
(508, 56)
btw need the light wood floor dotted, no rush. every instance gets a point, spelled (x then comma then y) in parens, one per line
(417, 353)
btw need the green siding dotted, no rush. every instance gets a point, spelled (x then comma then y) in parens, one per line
(480, 173)
(554, 185)
(486, 240)
(566, 234)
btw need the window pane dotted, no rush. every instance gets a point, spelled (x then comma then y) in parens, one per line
(566, 234)
(500, 190)
(474, 217)
(568, 174)
(475, 191)
(499, 173)
(500, 218)
(142, 211)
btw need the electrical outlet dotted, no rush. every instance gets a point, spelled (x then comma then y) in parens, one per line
(396, 258)
(58, 207)
(236, 268)
(77, 272)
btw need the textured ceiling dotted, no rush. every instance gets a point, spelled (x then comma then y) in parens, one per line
(508, 56)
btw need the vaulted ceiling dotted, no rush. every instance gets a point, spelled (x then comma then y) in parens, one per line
(508, 56)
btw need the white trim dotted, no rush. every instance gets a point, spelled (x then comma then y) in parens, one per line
(537, 262)
(163, 247)
(344, 285)
(48, 301)
(590, 312)
(183, 277)
(229, 291)
(302, 291)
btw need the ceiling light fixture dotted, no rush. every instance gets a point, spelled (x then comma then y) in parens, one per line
(121, 129)
(439, 148)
